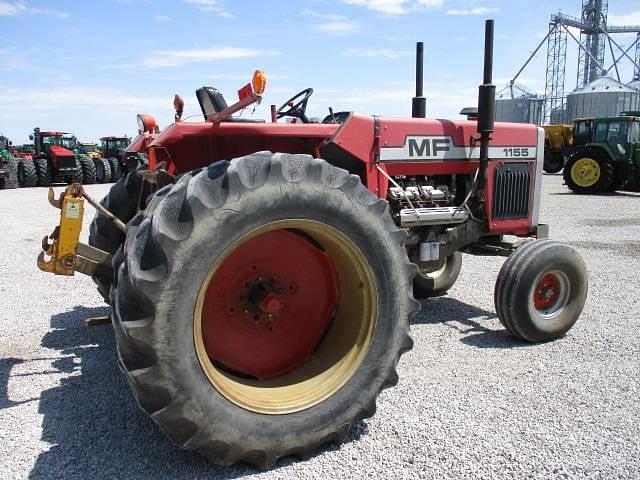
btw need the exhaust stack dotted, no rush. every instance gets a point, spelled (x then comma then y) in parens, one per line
(419, 103)
(486, 108)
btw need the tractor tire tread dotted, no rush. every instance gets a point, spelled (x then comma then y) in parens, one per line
(143, 286)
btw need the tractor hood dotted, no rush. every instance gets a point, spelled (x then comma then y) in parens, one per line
(58, 151)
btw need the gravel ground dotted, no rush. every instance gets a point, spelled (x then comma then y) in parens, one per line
(471, 403)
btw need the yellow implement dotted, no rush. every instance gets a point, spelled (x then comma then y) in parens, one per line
(62, 253)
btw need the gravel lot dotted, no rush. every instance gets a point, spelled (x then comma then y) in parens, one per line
(471, 403)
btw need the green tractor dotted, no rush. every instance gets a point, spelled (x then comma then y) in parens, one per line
(605, 155)
(91, 150)
(8, 164)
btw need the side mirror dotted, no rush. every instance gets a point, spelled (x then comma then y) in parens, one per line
(31, 137)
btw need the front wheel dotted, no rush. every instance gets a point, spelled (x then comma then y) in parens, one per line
(541, 290)
(434, 279)
(553, 161)
(43, 172)
(275, 337)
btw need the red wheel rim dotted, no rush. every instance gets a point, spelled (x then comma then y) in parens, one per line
(269, 304)
(546, 292)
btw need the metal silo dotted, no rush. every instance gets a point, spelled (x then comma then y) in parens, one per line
(604, 97)
(634, 84)
(516, 104)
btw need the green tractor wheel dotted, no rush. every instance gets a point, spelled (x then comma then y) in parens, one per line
(589, 171)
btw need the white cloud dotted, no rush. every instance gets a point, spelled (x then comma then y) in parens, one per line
(395, 7)
(337, 24)
(161, 18)
(176, 58)
(214, 6)
(471, 11)
(338, 28)
(380, 52)
(327, 16)
(19, 8)
(631, 18)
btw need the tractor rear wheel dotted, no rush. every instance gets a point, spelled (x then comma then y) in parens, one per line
(553, 161)
(434, 279)
(540, 290)
(262, 307)
(116, 169)
(589, 171)
(122, 201)
(11, 180)
(43, 172)
(88, 171)
(27, 175)
(103, 170)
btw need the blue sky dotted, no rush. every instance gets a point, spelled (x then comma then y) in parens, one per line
(88, 66)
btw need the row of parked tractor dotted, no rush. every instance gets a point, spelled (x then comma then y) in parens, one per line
(598, 155)
(58, 157)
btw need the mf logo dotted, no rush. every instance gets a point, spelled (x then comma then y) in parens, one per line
(427, 147)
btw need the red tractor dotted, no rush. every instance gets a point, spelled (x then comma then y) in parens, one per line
(114, 150)
(264, 282)
(54, 159)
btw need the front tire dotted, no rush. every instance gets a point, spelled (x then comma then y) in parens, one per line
(436, 280)
(43, 172)
(182, 298)
(541, 290)
(553, 161)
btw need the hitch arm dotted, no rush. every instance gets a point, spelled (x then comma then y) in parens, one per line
(62, 253)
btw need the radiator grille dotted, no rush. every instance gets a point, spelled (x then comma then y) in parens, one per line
(511, 191)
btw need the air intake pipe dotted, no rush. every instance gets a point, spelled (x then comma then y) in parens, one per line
(419, 103)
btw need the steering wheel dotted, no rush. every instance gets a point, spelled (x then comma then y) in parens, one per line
(296, 106)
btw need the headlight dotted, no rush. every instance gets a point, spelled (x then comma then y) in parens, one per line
(146, 123)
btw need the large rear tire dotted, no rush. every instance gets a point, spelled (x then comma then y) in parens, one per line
(182, 298)
(43, 172)
(541, 290)
(88, 171)
(589, 171)
(27, 175)
(116, 169)
(11, 179)
(103, 170)
(122, 201)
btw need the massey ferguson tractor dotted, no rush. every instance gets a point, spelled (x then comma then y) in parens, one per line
(263, 274)
(55, 160)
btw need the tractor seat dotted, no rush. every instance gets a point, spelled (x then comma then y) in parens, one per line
(212, 101)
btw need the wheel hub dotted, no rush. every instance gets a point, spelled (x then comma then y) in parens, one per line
(585, 172)
(269, 305)
(546, 292)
